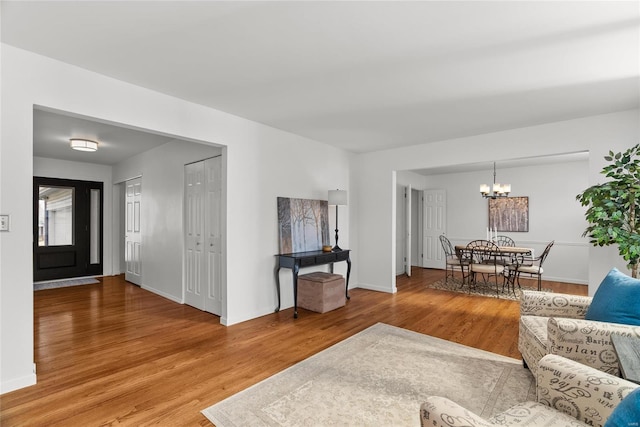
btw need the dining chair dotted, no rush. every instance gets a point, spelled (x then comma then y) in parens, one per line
(531, 266)
(505, 241)
(505, 259)
(484, 260)
(453, 261)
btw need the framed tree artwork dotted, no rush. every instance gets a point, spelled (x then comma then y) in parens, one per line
(509, 214)
(303, 224)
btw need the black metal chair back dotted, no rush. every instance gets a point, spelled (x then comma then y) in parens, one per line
(505, 241)
(545, 253)
(447, 247)
(483, 252)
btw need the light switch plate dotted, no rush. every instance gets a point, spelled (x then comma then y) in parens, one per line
(4, 222)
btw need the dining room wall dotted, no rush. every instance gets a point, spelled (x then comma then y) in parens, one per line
(554, 213)
(375, 177)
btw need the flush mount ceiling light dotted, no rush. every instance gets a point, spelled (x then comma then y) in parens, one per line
(84, 144)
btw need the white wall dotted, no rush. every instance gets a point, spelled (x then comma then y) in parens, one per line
(162, 171)
(554, 214)
(261, 163)
(53, 168)
(375, 180)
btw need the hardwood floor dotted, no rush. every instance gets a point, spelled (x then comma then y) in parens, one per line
(116, 354)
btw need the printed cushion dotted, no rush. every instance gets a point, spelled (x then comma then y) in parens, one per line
(627, 413)
(617, 300)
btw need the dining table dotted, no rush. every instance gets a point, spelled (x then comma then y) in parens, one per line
(515, 254)
(502, 250)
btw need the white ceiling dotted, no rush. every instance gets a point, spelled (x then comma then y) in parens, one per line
(359, 75)
(52, 131)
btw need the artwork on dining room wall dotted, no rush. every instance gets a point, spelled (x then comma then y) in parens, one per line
(303, 224)
(509, 214)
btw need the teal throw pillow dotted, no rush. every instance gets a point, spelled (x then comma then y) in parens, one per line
(627, 413)
(617, 300)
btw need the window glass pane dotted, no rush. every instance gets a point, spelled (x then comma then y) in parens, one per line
(94, 228)
(55, 216)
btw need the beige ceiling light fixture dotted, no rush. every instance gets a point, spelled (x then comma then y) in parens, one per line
(84, 144)
(498, 190)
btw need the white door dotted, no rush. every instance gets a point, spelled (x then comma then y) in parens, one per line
(435, 214)
(407, 209)
(133, 231)
(213, 233)
(203, 249)
(194, 178)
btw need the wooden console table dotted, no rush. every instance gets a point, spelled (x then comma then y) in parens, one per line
(297, 260)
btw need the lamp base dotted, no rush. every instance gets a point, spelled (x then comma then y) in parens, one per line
(336, 248)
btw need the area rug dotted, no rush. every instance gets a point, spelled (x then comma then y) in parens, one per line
(64, 283)
(378, 377)
(485, 290)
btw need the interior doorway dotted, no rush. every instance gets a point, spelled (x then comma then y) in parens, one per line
(67, 228)
(409, 229)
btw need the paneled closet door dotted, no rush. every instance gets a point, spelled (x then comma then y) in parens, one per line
(213, 233)
(133, 231)
(203, 245)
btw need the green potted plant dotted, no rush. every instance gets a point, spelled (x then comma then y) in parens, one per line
(613, 211)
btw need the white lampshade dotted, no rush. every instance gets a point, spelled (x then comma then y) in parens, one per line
(338, 197)
(84, 145)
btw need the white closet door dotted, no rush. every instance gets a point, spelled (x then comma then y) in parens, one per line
(203, 243)
(213, 233)
(133, 231)
(194, 230)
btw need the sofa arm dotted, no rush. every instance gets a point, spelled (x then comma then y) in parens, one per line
(585, 393)
(439, 411)
(548, 304)
(587, 341)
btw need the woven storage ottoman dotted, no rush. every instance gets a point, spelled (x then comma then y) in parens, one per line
(321, 292)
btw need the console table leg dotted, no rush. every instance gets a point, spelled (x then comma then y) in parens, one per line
(296, 269)
(346, 291)
(278, 287)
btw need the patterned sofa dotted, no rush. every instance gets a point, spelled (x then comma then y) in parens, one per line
(568, 394)
(553, 323)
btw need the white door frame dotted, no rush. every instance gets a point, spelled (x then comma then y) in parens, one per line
(408, 232)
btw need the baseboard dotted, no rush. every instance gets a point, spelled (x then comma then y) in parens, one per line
(18, 383)
(569, 280)
(377, 288)
(162, 294)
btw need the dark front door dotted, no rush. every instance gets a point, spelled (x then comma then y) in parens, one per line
(67, 228)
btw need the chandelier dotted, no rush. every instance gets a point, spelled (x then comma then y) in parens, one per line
(498, 190)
